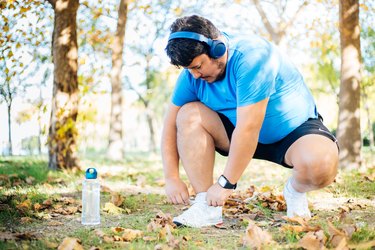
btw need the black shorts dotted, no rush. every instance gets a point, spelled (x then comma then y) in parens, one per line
(275, 152)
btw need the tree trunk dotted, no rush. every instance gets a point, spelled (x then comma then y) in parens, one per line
(115, 146)
(151, 131)
(64, 111)
(10, 148)
(348, 130)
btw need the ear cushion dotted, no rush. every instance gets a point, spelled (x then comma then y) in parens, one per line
(217, 49)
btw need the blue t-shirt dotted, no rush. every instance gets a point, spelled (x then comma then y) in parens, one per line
(255, 70)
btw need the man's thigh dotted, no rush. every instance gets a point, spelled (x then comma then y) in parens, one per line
(308, 135)
(197, 112)
(313, 143)
(310, 149)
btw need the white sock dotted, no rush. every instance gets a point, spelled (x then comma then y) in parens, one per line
(297, 204)
(292, 191)
(201, 197)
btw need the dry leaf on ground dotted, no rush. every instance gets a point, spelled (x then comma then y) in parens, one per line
(160, 221)
(117, 199)
(131, 234)
(70, 244)
(303, 226)
(17, 236)
(313, 240)
(255, 237)
(339, 239)
(111, 208)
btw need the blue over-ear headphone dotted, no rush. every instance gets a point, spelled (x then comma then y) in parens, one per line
(217, 47)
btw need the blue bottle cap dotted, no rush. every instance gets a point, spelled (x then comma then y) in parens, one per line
(91, 173)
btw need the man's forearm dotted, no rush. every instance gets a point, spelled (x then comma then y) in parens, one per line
(170, 155)
(243, 146)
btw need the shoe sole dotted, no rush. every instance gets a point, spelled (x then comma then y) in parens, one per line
(179, 224)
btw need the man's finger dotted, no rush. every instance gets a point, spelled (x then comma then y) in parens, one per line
(173, 200)
(179, 199)
(185, 198)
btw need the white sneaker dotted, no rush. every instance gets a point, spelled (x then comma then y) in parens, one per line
(296, 203)
(200, 214)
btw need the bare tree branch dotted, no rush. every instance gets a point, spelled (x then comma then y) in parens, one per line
(266, 22)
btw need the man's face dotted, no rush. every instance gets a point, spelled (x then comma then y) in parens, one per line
(207, 69)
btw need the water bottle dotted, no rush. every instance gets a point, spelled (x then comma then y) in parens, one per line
(91, 198)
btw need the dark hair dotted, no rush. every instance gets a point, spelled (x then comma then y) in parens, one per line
(182, 51)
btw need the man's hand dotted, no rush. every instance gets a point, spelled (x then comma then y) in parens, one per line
(217, 195)
(177, 191)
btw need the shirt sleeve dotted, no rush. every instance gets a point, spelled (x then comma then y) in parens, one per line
(257, 70)
(184, 90)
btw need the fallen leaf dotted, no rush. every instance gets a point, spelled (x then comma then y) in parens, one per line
(55, 223)
(48, 202)
(25, 220)
(18, 236)
(95, 248)
(117, 229)
(303, 226)
(349, 230)
(255, 237)
(130, 234)
(29, 180)
(24, 206)
(105, 189)
(99, 233)
(337, 237)
(37, 207)
(363, 245)
(65, 210)
(149, 238)
(313, 240)
(117, 199)
(50, 244)
(221, 226)
(111, 208)
(68, 200)
(160, 221)
(107, 238)
(70, 244)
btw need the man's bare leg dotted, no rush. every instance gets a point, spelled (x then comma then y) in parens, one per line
(314, 159)
(199, 129)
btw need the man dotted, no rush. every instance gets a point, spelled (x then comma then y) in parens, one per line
(244, 99)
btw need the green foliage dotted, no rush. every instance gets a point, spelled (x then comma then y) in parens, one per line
(326, 71)
(355, 184)
(21, 168)
(292, 237)
(31, 145)
(363, 234)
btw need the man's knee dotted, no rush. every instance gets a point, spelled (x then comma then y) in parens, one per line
(187, 115)
(322, 172)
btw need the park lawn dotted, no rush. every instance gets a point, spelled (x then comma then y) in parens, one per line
(40, 209)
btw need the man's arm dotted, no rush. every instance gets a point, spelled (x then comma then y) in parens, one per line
(244, 139)
(243, 145)
(176, 189)
(169, 143)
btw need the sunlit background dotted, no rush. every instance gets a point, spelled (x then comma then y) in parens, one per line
(307, 31)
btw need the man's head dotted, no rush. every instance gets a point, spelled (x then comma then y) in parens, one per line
(193, 54)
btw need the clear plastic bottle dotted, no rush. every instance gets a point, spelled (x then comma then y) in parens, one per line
(91, 198)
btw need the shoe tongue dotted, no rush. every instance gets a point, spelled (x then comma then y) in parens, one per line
(201, 197)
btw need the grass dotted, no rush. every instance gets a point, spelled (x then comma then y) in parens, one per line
(27, 181)
(355, 184)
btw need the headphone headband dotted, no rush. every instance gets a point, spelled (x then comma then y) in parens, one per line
(190, 35)
(217, 47)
